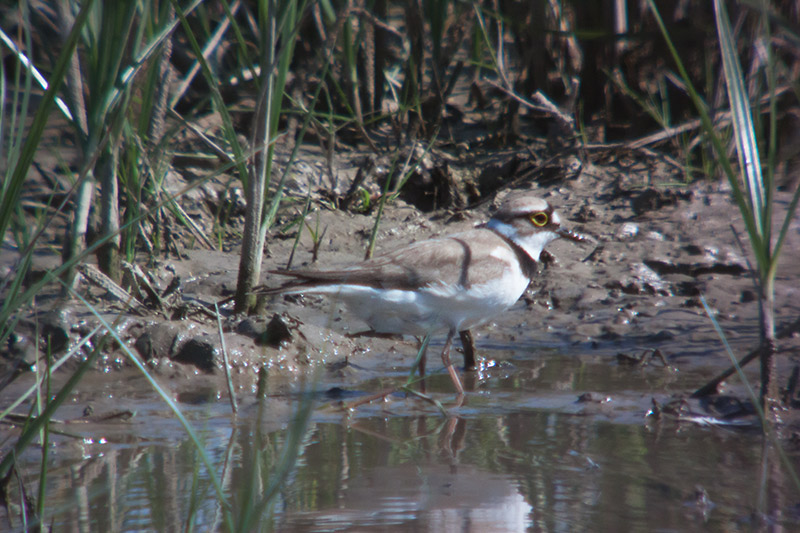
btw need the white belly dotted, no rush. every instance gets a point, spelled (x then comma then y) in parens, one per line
(432, 308)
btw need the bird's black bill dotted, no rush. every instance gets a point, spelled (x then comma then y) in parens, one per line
(573, 236)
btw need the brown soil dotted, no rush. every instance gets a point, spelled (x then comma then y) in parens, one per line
(660, 246)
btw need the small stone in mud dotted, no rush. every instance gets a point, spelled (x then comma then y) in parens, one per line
(276, 333)
(340, 368)
(686, 287)
(338, 393)
(628, 230)
(691, 303)
(157, 341)
(661, 336)
(609, 333)
(727, 407)
(56, 326)
(16, 357)
(198, 352)
(693, 249)
(653, 199)
(588, 397)
(585, 214)
(642, 280)
(248, 327)
(747, 296)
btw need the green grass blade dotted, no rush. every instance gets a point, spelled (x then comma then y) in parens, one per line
(744, 133)
(23, 59)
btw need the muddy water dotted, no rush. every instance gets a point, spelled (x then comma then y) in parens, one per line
(523, 454)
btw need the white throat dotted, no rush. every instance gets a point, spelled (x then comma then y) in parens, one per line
(533, 244)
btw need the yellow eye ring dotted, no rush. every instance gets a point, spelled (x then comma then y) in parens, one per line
(539, 219)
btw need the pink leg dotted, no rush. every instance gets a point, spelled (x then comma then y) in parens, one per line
(449, 365)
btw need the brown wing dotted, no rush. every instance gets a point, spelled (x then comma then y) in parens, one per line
(428, 262)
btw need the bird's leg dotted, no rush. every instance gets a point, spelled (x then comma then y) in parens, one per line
(469, 349)
(449, 365)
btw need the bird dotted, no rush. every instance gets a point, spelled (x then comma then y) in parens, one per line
(452, 283)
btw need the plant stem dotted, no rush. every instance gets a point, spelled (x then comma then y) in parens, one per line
(769, 392)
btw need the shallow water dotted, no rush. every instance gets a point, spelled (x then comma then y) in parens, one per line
(522, 454)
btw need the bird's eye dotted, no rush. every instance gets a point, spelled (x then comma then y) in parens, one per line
(539, 219)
